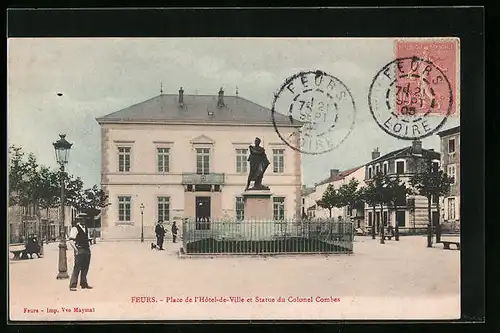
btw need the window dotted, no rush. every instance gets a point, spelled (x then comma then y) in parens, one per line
(163, 208)
(124, 159)
(240, 209)
(124, 206)
(377, 169)
(451, 146)
(385, 168)
(202, 161)
(435, 199)
(400, 167)
(385, 218)
(278, 208)
(370, 218)
(451, 208)
(451, 172)
(241, 160)
(369, 172)
(163, 159)
(278, 160)
(349, 210)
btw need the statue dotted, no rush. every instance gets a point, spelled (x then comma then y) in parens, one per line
(258, 165)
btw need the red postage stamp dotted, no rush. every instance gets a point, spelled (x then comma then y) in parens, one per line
(429, 83)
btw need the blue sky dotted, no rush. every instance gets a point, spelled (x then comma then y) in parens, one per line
(103, 75)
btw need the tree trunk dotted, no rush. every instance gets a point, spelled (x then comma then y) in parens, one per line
(438, 225)
(39, 222)
(330, 209)
(382, 236)
(396, 224)
(429, 225)
(373, 223)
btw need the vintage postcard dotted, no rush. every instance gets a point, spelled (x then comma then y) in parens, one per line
(233, 178)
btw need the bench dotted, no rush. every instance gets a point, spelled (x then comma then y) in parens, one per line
(17, 253)
(446, 245)
(22, 252)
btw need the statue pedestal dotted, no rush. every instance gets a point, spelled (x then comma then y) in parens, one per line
(258, 205)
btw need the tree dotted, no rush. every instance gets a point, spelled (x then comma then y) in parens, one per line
(31, 185)
(330, 199)
(37, 186)
(17, 169)
(350, 195)
(91, 201)
(432, 182)
(396, 192)
(369, 195)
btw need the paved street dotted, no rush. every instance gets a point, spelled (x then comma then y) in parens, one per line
(403, 280)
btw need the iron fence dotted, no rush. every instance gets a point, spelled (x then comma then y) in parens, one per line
(264, 236)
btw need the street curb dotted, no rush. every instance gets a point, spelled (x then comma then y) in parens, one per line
(257, 256)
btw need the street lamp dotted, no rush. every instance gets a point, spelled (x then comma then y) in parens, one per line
(62, 148)
(142, 222)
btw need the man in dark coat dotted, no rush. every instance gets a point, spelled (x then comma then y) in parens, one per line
(160, 235)
(80, 242)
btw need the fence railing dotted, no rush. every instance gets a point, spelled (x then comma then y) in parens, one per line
(420, 230)
(264, 236)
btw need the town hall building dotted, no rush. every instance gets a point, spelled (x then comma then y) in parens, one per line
(179, 156)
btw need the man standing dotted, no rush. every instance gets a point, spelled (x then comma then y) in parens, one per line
(160, 234)
(79, 241)
(174, 232)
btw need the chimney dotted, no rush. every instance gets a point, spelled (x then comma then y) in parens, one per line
(334, 172)
(375, 154)
(181, 96)
(220, 101)
(417, 146)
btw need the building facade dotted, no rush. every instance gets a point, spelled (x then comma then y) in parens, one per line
(412, 210)
(23, 222)
(450, 162)
(337, 178)
(185, 156)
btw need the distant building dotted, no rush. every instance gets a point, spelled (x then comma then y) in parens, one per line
(185, 156)
(337, 178)
(450, 162)
(411, 211)
(23, 222)
(306, 191)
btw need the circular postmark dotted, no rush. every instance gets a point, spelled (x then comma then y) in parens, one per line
(410, 98)
(320, 106)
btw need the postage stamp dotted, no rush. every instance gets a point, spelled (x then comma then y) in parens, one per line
(412, 96)
(323, 104)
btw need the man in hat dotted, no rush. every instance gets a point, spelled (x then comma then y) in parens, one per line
(160, 235)
(80, 242)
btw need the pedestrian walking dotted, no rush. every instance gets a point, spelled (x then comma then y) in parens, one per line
(80, 242)
(174, 232)
(160, 235)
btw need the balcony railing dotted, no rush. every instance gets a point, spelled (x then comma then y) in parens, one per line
(203, 179)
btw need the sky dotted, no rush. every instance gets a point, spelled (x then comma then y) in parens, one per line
(99, 76)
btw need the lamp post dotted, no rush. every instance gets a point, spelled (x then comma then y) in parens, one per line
(62, 148)
(142, 222)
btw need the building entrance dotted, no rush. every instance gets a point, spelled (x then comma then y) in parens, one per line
(203, 213)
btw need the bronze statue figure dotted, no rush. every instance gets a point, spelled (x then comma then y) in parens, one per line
(258, 165)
